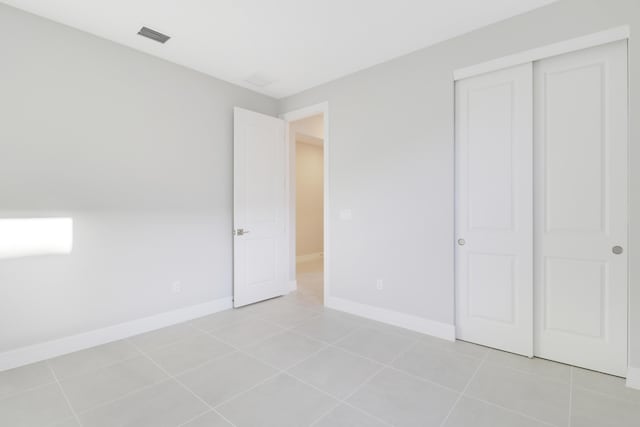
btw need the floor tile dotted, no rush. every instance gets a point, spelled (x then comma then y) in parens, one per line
(471, 412)
(403, 400)
(463, 347)
(347, 416)
(189, 353)
(248, 333)
(37, 407)
(69, 422)
(223, 319)
(285, 350)
(92, 358)
(282, 401)
(380, 346)
(603, 383)
(165, 336)
(447, 368)
(289, 316)
(335, 371)
(210, 419)
(545, 368)
(225, 377)
(23, 378)
(596, 410)
(535, 396)
(163, 405)
(103, 385)
(327, 328)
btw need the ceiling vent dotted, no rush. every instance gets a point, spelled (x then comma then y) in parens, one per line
(259, 80)
(153, 35)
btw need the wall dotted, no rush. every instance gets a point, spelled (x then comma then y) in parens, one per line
(391, 161)
(138, 152)
(309, 198)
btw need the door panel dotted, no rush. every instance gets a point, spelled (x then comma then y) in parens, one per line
(494, 210)
(580, 140)
(259, 207)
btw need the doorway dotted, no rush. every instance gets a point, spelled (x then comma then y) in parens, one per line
(307, 144)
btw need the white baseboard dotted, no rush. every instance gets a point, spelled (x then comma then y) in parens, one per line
(395, 318)
(46, 350)
(309, 257)
(633, 377)
(293, 285)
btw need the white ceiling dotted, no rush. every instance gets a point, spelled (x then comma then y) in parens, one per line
(294, 44)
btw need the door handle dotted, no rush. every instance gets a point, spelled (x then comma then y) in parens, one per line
(240, 232)
(617, 250)
(461, 242)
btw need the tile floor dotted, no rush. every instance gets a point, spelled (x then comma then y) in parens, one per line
(290, 362)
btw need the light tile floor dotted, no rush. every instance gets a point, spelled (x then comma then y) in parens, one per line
(291, 362)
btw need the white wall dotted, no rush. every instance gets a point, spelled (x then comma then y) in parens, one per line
(309, 198)
(391, 160)
(138, 152)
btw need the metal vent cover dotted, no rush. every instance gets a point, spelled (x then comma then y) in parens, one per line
(153, 35)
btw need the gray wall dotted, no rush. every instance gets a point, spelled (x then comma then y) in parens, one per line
(138, 151)
(391, 160)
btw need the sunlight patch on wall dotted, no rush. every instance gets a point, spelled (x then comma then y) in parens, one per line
(21, 237)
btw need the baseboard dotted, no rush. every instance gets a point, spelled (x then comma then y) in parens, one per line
(37, 352)
(395, 318)
(309, 257)
(633, 377)
(293, 285)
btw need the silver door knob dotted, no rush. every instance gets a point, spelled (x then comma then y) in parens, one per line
(617, 250)
(240, 232)
(461, 242)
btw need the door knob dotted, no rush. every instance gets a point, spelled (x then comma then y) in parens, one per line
(617, 250)
(461, 242)
(240, 232)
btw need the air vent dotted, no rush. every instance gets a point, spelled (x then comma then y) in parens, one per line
(153, 35)
(259, 80)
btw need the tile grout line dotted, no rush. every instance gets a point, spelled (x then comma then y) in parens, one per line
(389, 365)
(27, 390)
(183, 385)
(364, 383)
(196, 417)
(513, 411)
(146, 386)
(64, 394)
(326, 345)
(462, 392)
(286, 371)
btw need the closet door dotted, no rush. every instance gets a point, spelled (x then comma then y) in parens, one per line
(494, 286)
(580, 140)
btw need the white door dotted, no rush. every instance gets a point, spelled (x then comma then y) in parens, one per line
(259, 201)
(581, 208)
(494, 284)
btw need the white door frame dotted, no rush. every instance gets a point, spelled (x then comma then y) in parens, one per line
(590, 40)
(291, 116)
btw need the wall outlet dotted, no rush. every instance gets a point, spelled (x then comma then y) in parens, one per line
(176, 287)
(379, 284)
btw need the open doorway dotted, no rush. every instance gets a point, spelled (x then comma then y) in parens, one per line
(307, 208)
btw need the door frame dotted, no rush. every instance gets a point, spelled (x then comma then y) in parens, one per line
(288, 117)
(532, 55)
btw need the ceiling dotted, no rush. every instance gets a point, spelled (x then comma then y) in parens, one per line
(285, 46)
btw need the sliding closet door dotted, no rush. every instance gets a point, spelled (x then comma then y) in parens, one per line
(580, 140)
(494, 286)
